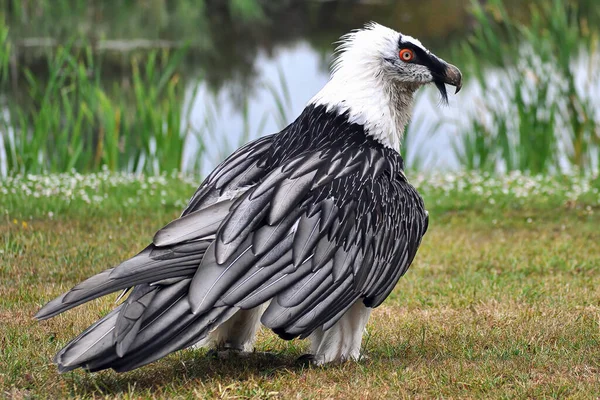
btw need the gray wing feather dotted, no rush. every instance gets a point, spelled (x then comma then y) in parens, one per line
(268, 236)
(140, 269)
(258, 275)
(182, 336)
(311, 237)
(194, 225)
(305, 237)
(212, 280)
(300, 290)
(274, 285)
(309, 320)
(208, 192)
(89, 344)
(287, 196)
(278, 316)
(246, 216)
(129, 320)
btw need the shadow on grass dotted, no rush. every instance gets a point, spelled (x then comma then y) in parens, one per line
(182, 370)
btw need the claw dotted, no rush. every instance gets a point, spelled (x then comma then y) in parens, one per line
(310, 359)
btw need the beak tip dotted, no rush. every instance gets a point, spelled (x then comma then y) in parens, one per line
(454, 77)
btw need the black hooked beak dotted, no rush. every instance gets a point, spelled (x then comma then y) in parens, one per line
(453, 77)
(446, 74)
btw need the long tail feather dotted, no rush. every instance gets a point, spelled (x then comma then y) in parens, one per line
(151, 265)
(127, 339)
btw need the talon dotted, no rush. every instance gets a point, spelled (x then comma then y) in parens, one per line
(311, 359)
(306, 359)
(224, 352)
(228, 346)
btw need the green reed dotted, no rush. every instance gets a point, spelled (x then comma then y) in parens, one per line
(534, 118)
(70, 120)
(5, 51)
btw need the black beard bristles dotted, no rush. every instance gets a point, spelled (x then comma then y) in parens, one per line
(443, 92)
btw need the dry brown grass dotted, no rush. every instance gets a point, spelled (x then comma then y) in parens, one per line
(501, 310)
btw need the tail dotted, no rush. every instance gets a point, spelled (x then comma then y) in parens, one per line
(157, 319)
(153, 322)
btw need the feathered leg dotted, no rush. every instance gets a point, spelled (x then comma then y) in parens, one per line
(342, 341)
(237, 333)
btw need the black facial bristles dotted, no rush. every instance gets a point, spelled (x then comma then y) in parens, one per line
(443, 92)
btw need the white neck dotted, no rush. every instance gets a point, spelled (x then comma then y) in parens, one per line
(380, 104)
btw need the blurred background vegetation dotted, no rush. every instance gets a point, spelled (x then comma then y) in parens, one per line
(155, 85)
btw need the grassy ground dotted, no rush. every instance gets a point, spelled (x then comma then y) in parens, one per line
(502, 301)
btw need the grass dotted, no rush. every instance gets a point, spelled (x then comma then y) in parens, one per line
(502, 300)
(74, 119)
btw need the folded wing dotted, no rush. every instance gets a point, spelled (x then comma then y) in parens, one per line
(311, 236)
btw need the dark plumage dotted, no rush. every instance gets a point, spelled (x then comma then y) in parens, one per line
(309, 222)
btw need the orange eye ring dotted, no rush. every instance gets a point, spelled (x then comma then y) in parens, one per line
(406, 55)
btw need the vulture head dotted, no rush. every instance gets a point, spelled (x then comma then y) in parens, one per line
(374, 76)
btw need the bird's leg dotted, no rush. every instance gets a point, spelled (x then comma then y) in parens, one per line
(342, 341)
(234, 336)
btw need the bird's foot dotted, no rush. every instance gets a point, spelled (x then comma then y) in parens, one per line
(319, 359)
(226, 351)
(225, 354)
(311, 360)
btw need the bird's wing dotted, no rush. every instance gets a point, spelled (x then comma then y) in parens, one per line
(155, 320)
(312, 236)
(179, 247)
(324, 229)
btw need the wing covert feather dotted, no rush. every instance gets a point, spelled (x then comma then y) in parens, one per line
(347, 218)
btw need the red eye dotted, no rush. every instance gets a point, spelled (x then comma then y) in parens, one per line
(406, 55)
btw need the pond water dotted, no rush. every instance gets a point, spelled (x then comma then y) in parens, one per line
(304, 75)
(302, 62)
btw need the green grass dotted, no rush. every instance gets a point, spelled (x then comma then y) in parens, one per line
(502, 300)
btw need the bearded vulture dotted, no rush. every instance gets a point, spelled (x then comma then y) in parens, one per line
(304, 231)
